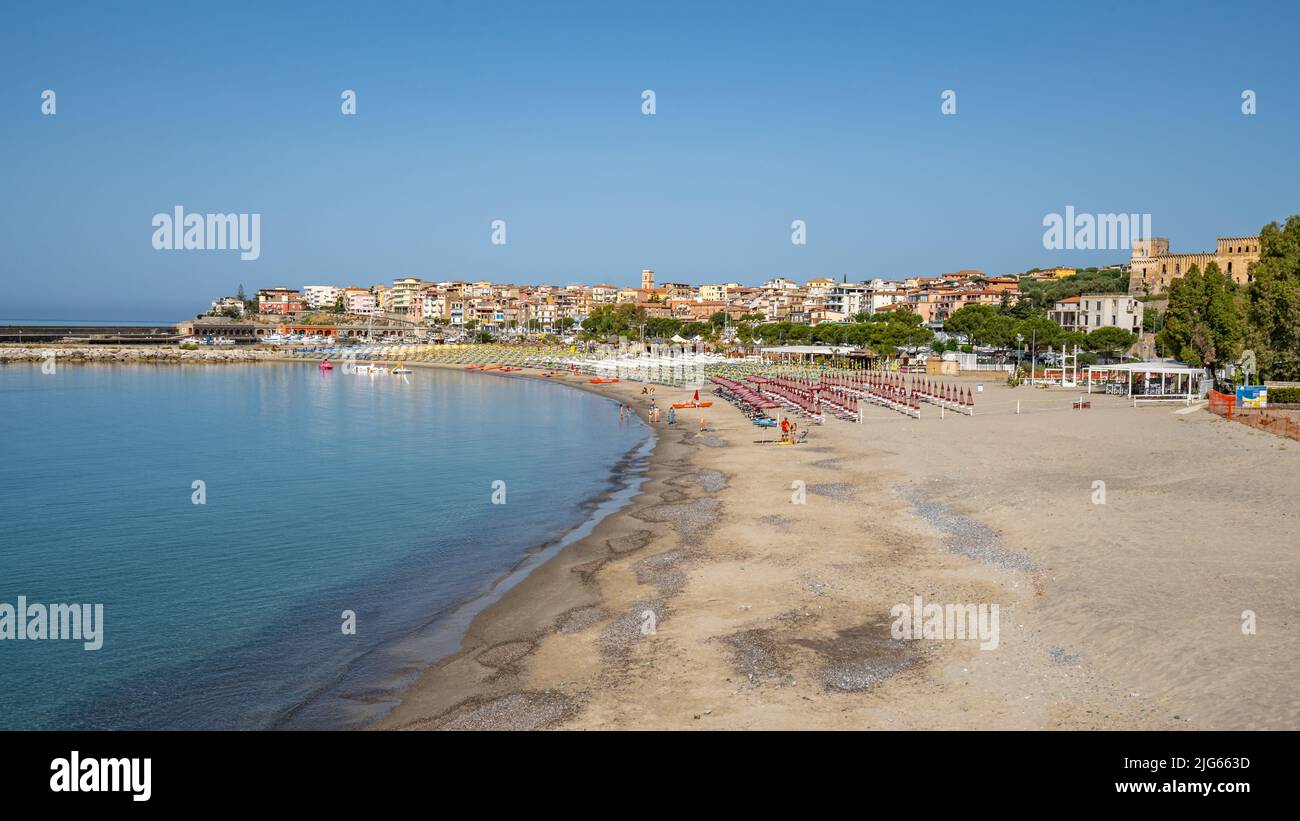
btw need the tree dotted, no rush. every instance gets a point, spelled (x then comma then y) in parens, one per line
(693, 329)
(1040, 332)
(1205, 322)
(970, 321)
(1000, 331)
(1042, 295)
(1152, 320)
(1069, 339)
(1273, 302)
(1111, 341)
(338, 304)
(614, 320)
(661, 327)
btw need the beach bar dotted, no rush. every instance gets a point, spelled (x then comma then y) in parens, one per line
(1148, 381)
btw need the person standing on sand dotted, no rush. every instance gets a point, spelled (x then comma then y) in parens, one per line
(672, 416)
(785, 429)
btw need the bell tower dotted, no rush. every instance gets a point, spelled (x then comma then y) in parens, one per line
(647, 279)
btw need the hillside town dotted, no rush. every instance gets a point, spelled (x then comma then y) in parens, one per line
(1127, 297)
(411, 307)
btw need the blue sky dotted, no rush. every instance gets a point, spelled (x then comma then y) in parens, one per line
(531, 113)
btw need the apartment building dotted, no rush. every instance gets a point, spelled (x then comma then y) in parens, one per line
(279, 301)
(320, 297)
(1088, 312)
(848, 299)
(713, 293)
(360, 301)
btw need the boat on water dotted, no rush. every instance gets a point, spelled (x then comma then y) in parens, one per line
(326, 365)
(401, 369)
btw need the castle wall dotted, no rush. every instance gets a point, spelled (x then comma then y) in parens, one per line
(1153, 268)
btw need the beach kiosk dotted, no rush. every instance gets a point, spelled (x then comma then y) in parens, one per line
(1160, 381)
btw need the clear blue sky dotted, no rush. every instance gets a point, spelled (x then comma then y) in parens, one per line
(531, 113)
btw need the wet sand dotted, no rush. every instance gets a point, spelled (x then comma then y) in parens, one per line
(715, 601)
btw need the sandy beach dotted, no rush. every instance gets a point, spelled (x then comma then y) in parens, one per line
(715, 600)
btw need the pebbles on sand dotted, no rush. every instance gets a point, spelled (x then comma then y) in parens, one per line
(968, 537)
(529, 710)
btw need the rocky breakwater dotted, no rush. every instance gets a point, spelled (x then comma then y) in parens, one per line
(62, 354)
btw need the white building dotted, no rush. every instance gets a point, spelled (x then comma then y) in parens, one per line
(1088, 312)
(883, 292)
(320, 297)
(847, 299)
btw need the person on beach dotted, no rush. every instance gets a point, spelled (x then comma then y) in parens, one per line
(785, 430)
(672, 416)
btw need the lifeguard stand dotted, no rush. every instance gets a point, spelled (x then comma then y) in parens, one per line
(1070, 368)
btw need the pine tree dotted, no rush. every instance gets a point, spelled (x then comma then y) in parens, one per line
(1273, 302)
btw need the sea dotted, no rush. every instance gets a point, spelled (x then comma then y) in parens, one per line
(274, 546)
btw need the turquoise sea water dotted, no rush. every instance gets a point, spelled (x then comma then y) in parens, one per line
(324, 493)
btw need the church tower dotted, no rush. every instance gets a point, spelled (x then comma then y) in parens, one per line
(647, 279)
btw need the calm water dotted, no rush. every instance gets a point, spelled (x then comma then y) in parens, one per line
(325, 493)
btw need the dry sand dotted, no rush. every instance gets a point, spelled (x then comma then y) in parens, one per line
(770, 614)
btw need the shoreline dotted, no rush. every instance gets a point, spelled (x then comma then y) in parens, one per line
(441, 636)
(554, 594)
(773, 615)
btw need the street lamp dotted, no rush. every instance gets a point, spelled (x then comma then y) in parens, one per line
(1033, 355)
